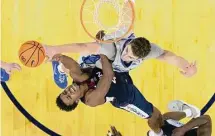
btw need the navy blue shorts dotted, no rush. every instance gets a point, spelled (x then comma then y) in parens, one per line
(136, 102)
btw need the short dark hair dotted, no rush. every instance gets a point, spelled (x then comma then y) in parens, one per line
(65, 107)
(140, 47)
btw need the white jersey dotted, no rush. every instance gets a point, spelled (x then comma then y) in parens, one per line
(114, 50)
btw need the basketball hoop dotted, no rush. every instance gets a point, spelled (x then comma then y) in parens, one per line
(91, 22)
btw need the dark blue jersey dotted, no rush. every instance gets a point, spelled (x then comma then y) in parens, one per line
(119, 89)
(123, 94)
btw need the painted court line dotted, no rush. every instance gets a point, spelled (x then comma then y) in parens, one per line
(52, 133)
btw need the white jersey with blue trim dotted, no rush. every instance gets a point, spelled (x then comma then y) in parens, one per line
(118, 64)
(114, 51)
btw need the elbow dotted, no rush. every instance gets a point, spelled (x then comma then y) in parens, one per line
(166, 53)
(91, 102)
(167, 56)
(92, 105)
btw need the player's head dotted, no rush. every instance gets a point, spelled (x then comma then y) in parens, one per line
(138, 48)
(69, 98)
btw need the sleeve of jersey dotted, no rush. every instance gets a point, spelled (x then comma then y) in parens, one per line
(155, 52)
(107, 49)
(92, 61)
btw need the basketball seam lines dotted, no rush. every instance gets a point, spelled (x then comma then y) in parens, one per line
(38, 57)
(25, 51)
(31, 55)
(28, 48)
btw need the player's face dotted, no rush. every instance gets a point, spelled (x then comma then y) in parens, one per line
(127, 54)
(71, 94)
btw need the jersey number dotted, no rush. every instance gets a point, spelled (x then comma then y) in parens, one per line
(100, 75)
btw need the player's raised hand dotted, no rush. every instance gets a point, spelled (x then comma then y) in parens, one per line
(189, 70)
(100, 35)
(10, 67)
(113, 132)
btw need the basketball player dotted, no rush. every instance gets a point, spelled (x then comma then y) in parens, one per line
(197, 126)
(126, 54)
(7, 69)
(95, 87)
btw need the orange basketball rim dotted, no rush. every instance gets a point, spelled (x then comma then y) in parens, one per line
(114, 39)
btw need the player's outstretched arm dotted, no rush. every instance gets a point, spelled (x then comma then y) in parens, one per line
(7, 69)
(187, 69)
(203, 123)
(82, 48)
(97, 96)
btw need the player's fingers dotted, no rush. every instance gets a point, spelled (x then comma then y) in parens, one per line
(17, 66)
(183, 73)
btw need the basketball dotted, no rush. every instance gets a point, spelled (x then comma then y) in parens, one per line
(31, 54)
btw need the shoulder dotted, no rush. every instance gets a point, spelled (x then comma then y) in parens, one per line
(108, 49)
(154, 46)
(155, 52)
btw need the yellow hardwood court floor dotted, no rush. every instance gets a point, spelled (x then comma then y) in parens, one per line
(186, 27)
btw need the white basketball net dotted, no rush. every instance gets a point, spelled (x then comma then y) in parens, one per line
(97, 5)
(96, 14)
